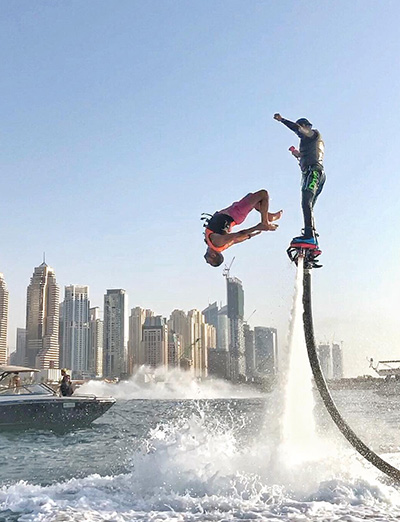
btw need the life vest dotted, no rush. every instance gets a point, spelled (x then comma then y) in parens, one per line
(208, 233)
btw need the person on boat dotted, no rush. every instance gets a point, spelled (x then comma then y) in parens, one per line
(66, 389)
(310, 157)
(15, 382)
(218, 235)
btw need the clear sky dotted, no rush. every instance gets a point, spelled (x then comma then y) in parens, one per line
(121, 122)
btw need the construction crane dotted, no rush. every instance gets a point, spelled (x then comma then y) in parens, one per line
(227, 269)
(250, 316)
(185, 360)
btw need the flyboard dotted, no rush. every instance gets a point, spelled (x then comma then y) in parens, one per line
(309, 252)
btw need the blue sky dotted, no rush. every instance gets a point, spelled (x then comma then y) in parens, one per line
(121, 122)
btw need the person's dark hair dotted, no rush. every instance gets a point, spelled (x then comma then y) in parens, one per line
(304, 122)
(216, 259)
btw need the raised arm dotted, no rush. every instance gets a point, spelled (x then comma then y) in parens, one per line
(300, 130)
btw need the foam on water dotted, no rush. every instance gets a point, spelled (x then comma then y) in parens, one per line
(196, 469)
(149, 383)
(201, 469)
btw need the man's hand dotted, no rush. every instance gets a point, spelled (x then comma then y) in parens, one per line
(277, 116)
(295, 152)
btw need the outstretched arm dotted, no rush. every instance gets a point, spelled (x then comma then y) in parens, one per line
(237, 237)
(295, 127)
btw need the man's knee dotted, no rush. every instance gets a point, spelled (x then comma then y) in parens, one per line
(307, 199)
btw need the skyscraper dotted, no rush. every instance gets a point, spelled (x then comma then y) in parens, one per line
(223, 330)
(42, 319)
(325, 359)
(202, 337)
(135, 346)
(115, 345)
(95, 342)
(249, 350)
(178, 324)
(266, 350)
(74, 347)
(211, 314)
(155, 341)
(18, 357)
(236, 338)
(3, 320)
(337, 361)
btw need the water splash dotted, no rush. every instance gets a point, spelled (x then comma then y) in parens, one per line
(156, 383)
(298, 426)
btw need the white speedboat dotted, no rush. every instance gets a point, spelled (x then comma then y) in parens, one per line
(38, 406)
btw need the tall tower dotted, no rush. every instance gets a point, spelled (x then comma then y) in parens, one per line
(266, 350)
(42, 319)
(19, 356)
(115, 345)
(75, 328)
(3, 320)
(178, 323)
(337, 361)
(95, 342)
(202, 336)
(249, 350)
(236, 338)
(155, 342)
(136, 356)
(325, 359)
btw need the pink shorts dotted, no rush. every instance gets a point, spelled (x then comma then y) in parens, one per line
(240, 209)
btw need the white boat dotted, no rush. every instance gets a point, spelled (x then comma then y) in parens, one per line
(38, 406)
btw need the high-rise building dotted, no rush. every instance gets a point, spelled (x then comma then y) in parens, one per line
(178, 323)
(337, 361)
(325, 359)
(174, 349)
(155, 341)
(115, 344)
(135, 346)
(74, 348)
(17, 358)
(95, 342)
(223, 330)
(42, 319)
(249, 348)
(211, 314)
(266, 350)
(236, 339)
(3, 320)
(202, 337)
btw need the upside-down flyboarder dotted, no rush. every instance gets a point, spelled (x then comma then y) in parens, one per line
(310, 156)
(218, 235)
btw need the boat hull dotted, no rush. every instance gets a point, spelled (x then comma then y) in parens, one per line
(54, 413)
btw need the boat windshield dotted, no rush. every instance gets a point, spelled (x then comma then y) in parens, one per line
(28, 389)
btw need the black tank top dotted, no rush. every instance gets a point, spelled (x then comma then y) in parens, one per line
(312, 151)
(219, 223)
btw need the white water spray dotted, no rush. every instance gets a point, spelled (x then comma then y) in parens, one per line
(298, 426)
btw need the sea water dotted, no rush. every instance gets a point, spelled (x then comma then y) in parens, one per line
(176, 449)
(197, 460)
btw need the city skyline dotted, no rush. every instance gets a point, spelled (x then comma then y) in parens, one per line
(122, 342)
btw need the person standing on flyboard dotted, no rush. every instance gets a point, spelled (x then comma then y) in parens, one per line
(310, 156)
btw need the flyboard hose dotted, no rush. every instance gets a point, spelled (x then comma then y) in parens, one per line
(357, 444)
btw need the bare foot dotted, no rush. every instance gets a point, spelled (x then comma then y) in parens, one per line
(274, 216)
(267, 226)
